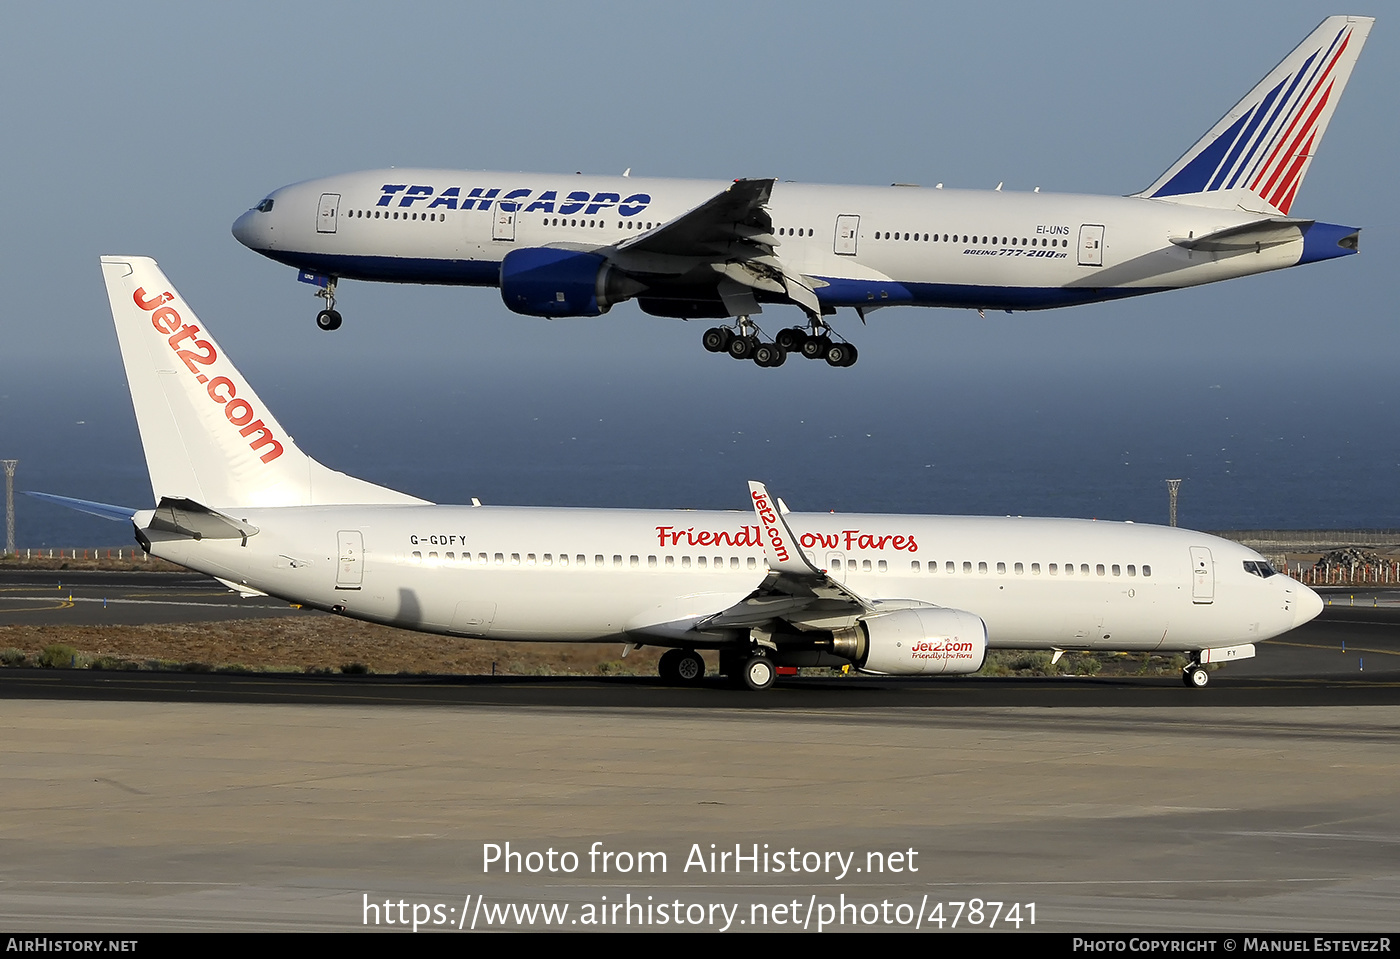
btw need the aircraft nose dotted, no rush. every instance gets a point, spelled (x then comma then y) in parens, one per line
(248, 230)
(1307, 605)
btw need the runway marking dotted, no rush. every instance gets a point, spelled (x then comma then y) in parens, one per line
(62, 604)
(1338, 649)
(154, 602)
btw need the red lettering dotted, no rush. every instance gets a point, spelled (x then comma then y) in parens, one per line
(850, 535)
(913, 547)
(705, 538)
(184, 333)
(205, 358)
(264, 439)
(166, 320)
(244, 414)
(217, 382)
(151, 304)
(660, 530)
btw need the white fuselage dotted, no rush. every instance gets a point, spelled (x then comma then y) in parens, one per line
(862, 246)
(586, 575)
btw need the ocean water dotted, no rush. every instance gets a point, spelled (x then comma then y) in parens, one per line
(1257, 448)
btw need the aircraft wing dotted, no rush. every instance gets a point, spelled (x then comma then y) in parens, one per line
(795, 590)
(1247, 237)
(732, 234)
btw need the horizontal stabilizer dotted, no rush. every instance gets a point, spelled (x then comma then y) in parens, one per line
(185, 517)
(1246, 237)
(104, 510)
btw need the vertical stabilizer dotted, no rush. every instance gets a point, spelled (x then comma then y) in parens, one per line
(207, 435)
(1257, 155)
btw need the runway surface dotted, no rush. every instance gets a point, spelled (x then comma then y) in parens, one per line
(158, 801)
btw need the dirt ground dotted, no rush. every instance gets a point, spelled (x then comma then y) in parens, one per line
(317, 642)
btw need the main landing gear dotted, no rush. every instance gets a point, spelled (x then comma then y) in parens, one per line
(681, 667)
(329, 318)
(743, 343)
(748, 668)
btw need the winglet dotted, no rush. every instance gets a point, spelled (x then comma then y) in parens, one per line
(780, 546)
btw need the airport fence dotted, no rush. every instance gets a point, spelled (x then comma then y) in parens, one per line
(114, 553)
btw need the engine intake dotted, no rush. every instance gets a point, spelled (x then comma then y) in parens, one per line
(540, 281)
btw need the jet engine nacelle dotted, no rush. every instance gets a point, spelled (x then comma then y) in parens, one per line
(540, 281)
(925, 641)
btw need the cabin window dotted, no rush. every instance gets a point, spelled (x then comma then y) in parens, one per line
(865, 565)
(515, 559)
(1035, 569)
(651, 562)
(634, 561)
(529, 559)
(915, 566)
(982, 567)
(950, 567)
(1084, 568)
(1146, 570)
(733, 562)
(548, 559)
(670, 562)
(700, 562)
(1001, 568)
(417, 556)
(580, 560)
(1117, 570)
(617, 561)
(598, 559)
(1020, 569)
(1099, 569)
(1132, 570)
(884, 567)
(835, 564)
(967, 567)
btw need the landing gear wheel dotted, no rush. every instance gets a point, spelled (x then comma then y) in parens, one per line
(742, 347)
(815, 347)
(791, 339)
(690, 667)
(769, 354)
(759, 673)
(717, 339)
(328, 319)
(1195, 676)
(666, 666)
(840, 354)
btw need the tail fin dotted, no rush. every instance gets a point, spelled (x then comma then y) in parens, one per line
(207, 435)
(1259, 152)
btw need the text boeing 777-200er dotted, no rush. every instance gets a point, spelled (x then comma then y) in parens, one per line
(575, 245)
(887, 594)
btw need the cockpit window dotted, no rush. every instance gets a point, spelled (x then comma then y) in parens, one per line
(1259, 567)
(265, 206)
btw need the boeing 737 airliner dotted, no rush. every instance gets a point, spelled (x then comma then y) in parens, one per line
(768, 589)
(560, 246)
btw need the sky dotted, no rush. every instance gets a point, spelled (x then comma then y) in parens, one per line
(147, 128)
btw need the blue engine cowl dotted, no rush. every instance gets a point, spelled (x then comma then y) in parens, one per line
(539, 281)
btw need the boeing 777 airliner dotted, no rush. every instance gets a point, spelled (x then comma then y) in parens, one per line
(886, 594)
(560, 246)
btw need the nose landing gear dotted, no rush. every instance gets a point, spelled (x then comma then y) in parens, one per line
(329, 318)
